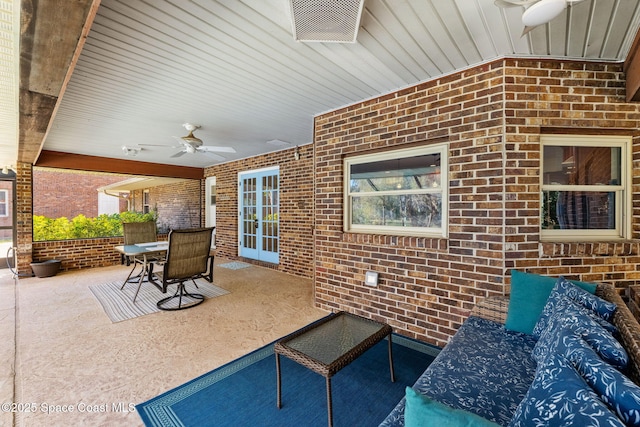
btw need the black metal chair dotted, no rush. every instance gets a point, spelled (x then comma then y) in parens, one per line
(188, 258)
(134, 233)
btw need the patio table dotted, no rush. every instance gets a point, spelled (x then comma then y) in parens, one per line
(144, 251)
(147, 251)
(330, 344)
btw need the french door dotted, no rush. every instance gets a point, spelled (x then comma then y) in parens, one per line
(259, 197)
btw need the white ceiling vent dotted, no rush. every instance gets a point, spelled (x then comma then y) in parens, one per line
(334, 21)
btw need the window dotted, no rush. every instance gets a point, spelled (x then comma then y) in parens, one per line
(146, 205)
(4, 203)
(397, 192)
(585, 187)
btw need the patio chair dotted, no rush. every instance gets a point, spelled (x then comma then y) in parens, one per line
(134, 233)
(188, 258)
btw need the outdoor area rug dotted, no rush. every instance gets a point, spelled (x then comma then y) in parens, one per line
(118, 304)
(243, 392)
(234, 265)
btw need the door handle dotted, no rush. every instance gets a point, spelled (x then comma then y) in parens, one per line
(256, 222)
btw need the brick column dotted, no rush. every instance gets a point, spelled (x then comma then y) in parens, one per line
(24, 217)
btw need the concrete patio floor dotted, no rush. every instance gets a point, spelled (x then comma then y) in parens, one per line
(65, 364)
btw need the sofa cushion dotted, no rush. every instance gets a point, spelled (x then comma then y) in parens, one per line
(421, 411)
(475, 372)
(529, 294)
(579, 320)
(559, 397)
(565, 289)
(613, 388)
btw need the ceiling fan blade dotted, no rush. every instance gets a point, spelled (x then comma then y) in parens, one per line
(213, 156)
(513, 3)
(179, 153)
(527, 30)
(217, 149)
(543, 12)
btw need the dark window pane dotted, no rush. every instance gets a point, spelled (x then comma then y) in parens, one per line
(573, 165)
(409, 173)
(578, 210)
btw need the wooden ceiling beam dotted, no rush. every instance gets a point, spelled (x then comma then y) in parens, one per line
(52, 35)
(56, 159)
(632, 71)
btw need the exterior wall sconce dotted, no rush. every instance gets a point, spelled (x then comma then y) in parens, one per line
(296, 154)
(371, 278)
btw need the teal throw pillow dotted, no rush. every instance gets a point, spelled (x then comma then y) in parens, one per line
(421, 411)
(529, 293)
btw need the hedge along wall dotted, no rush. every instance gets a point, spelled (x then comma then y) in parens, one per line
(178, 206)
(491, 116)
(296, 207)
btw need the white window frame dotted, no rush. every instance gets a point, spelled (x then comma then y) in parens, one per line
(5, 203)
(443, 189)
(146, 206)
(622, 229)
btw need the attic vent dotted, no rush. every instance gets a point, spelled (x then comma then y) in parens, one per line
(326, 20)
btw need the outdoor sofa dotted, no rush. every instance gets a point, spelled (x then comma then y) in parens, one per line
(542, 357)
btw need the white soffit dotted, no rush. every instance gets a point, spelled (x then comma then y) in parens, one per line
(139, 183)
(9, 77)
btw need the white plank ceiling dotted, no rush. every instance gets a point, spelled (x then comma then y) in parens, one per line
(233, 67)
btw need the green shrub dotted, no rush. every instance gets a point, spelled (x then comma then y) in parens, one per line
(82, 227)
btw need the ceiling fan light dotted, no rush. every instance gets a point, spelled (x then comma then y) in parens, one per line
(543, 12)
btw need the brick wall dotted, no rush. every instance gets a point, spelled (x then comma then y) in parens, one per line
(492, 117)
(64, 193)
(80, 253)
(296, 207)
(24, 217)
(564, 97)
(178, 205)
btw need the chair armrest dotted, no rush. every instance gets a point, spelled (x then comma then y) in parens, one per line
(492, 308)
(628, 328)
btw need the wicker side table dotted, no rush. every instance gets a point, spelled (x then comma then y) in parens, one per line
(329, 345)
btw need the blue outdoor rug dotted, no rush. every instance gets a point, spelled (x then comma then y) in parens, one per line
(243, 392)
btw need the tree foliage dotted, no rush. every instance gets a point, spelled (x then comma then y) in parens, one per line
(81, 227)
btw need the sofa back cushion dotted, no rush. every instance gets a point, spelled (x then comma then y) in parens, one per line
(613, 388)
(565, 290)
(529, 294)
(580, 321)
(560, 397)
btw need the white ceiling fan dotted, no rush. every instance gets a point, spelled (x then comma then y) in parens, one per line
(192, 144)
(537, 12)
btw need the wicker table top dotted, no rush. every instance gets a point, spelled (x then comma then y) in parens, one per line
(332, 343)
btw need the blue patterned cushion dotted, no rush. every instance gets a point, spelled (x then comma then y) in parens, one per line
(529, 294)
(580, 322)
(615, 389)
(565, 289)
(476, 372)
(421, 411)
(559, 397)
